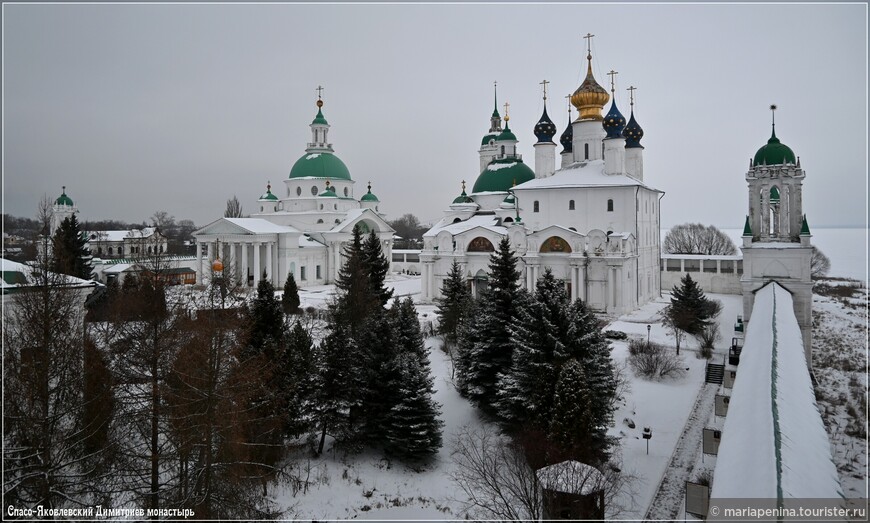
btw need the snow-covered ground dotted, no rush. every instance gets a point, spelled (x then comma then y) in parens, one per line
(365, 486)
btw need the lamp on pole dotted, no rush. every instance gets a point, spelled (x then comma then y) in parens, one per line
(648, 329)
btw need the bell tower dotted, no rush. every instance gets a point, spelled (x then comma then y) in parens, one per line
(776, 236)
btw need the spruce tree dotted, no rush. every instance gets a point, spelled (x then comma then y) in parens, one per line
(69, 250)
(467, 336)
(355, 300)
(572, 423)
(266, 322)
(377, 350)
(453, 304)
(539, 335)
(377, 266)
(290, 299)
(690, 310)
(491, 355)
(409, 334)
(413, 430)
(298, 380)
(339, 383)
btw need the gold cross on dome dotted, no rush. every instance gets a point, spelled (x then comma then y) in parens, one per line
(319, 91)
(612, 74)
(506, 106)
(463, 185)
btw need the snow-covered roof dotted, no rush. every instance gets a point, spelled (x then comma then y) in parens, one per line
(774, 443)
(308, 242)
(19, 275)
(571, 477)
(119, 268)
(119, 236)
(582, 174)
(671, 256)
(261, 226)
(777, 245)
(487, 221)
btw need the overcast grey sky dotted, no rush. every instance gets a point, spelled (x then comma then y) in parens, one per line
(139, 108)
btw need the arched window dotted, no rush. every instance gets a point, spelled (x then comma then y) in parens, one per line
(508, 220)
(345, 192)
(536, 206)
(502, 150)
(261, 208)
(321, 206)
(149, 249)
(334, 206)
(571, 205)
(99, 250)
(586, 151)
(298, 191)
(337, 221)
(457, 220)
(609, 205)
(480, 244)
(320, 221)
(314, 190)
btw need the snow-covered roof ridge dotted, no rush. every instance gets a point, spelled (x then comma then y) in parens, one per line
(773, 427)
(20, 275)
(583, 174)
(488, 221)
(119, 236)
(261, 226)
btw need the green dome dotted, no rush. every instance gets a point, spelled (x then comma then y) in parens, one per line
(463, 198)
(369, 197)
(487, 138)
(63, 199)
(320, 165)
(329, 192)
(773, 153)
(506, 135)
(501, 175)
(319, 119)
(269, 196)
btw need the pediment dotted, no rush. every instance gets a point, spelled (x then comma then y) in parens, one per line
(222, 226)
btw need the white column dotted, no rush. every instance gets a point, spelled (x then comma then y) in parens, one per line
(244, 264)
(574, 293)
(765, 212)
(210, 251)
(581, 284)
(198, 263)
(231, 266)
(269, 263)
(257, 272)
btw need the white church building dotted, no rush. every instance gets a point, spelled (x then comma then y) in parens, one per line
(594, 222)
(302, 229)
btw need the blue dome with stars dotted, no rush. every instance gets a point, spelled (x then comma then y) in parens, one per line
(614, 122)
(545, 129)
(633, 133)
(567, 138)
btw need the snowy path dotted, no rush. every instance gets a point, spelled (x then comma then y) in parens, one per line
(668, 498)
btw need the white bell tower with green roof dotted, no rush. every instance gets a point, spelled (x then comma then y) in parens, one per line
(62, 209)
(776, 236)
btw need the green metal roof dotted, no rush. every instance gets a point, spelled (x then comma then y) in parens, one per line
(805, 228)
(319, 119)
(773, 153)
(501, 175)
(63, 199)
(320, 165)
(774, 195)
(487, 138)
(747, 229)
(329, 192)
(369, 197)
(463, 198)
(506, 135)
(269, 196)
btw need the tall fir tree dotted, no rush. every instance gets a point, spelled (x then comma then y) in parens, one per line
(69, 250)
(377, 266)
(290, 299)
(266, 329)
(413, 430)
(339, 383)
(378, 347)
(539, 335)
(298, 380)
(572, 424)
(491, 355)
(453, 304)
(690, 309)
(408, 332)
(354, 301)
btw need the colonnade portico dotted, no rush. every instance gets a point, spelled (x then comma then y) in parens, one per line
(241, 257)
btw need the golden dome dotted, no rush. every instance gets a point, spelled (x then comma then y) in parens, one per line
(590, 97)
(217, 265)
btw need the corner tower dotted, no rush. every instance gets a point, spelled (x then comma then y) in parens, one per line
(776, 237)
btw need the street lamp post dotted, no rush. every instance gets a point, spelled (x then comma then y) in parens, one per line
(648, 329)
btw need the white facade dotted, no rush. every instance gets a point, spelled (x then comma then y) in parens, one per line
(593, 222)
(302, 231)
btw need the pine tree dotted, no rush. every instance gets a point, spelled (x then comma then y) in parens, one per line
(266, 322)
(491, 355)
(572, 423)
(586, 344)
(690, 310)
(453, 304)
(298, 378)
(355, 299)
(290, 300)
(538, 335)
(69, 252)
(377, 266)
(413, 430)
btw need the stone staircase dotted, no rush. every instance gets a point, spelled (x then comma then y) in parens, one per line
(714, 373)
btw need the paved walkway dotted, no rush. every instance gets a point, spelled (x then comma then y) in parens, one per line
(668, 499)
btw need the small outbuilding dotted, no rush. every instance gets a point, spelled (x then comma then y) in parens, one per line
(572, 490)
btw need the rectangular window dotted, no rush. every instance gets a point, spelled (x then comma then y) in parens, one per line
(739, 266)
(398, 257)
(302, 276)
(692, 265)
(536, 206)
(726, 266)
(673, 265)
(317, 272)
(413, 257)
(709, 265)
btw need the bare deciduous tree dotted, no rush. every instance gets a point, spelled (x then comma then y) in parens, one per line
(696, 238)
(234, 208)
(819, 264)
